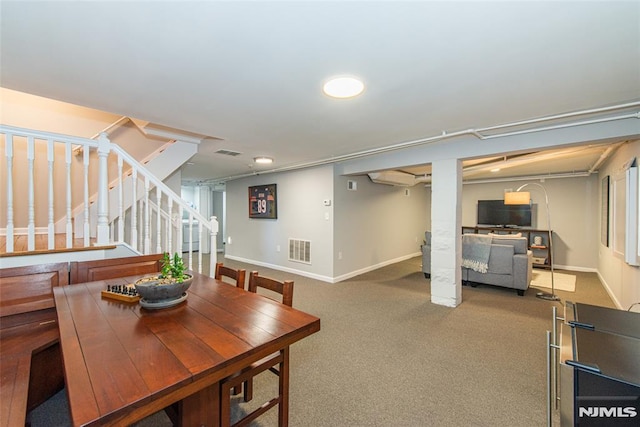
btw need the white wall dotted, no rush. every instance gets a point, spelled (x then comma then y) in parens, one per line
(574, 207)
(621, 279)
(301, 215)
(174, 181)
(376, 225)
(574, 204)
(360, 230)
(35, 112)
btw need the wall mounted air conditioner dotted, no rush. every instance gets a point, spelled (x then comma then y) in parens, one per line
(397, 178)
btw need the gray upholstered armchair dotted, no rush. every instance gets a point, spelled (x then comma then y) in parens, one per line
(510, 263)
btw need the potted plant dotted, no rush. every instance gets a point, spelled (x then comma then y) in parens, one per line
(173, 269)
(168, 288)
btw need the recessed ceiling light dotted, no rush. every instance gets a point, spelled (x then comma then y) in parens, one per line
(343, 87)
(263, 160)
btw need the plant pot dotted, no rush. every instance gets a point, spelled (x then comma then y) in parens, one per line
(156, 292)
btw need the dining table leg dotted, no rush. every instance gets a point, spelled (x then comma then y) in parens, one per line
(201, 408)
(283, 408)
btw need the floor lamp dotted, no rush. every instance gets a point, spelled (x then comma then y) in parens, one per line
(524, 198)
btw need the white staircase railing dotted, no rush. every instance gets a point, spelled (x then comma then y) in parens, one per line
(148, 215)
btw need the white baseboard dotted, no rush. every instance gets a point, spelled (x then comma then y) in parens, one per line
(575, 268)
(322, 277)
(610, 292)
(282, 268)
(593, 270)
(375, 267)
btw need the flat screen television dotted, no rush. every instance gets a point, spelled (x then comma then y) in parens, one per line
(496, 213)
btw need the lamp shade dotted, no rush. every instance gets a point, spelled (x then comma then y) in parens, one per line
(517, 198)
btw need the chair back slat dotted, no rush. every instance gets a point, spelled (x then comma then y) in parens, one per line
(236, 275)
(283, 288)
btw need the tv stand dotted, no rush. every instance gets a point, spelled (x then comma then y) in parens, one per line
(541, 250)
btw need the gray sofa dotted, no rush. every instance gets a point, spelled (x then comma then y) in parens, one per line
(510, 263)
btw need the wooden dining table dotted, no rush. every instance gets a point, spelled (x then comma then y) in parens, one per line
(123, 362)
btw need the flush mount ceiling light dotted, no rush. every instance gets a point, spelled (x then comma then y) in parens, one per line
(263, 160)
(343, 87)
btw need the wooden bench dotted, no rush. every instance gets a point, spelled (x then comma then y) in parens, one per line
(30, 359)
(91, 271)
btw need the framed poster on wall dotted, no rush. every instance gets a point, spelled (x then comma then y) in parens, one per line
(263, 201)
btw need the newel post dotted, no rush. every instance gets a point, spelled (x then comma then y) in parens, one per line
(213, 253)
(104, 147)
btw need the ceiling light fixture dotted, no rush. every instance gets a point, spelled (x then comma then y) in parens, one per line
(343, 87)
(263, 160)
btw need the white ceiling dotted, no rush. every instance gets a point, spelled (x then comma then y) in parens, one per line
(249, 74)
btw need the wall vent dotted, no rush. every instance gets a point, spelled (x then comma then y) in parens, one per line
(228, 152)
(300, 250)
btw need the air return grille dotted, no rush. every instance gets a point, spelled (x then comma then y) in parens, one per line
(300, 250)
(228, 152)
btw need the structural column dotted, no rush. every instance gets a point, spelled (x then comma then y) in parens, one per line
(446, 245)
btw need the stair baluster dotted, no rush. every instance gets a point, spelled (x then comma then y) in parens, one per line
(51, 238)
(147, 218)
(120, 201)
(134, 209)
(158, 220)
(69, 227)
(31, 226)
(86, 227)
(9, 155)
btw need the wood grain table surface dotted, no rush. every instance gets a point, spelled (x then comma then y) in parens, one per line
(123, 362)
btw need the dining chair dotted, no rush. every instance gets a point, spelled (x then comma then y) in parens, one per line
(277, 363)
(236, 275)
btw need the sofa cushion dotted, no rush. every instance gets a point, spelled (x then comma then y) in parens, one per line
(519, 244)
(501, 259)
